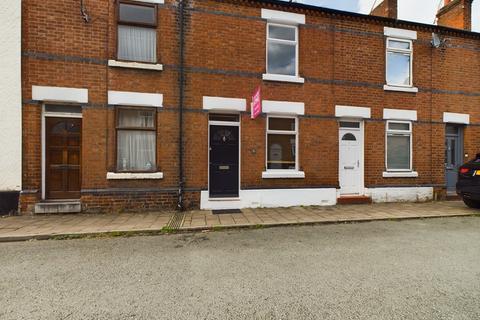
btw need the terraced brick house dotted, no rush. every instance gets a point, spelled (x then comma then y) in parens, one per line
(145, 105)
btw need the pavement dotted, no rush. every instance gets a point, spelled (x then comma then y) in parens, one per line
(42, 227)
(406, 269)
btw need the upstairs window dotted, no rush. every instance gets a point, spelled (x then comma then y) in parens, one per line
(399, 62)
(399, 146)
(137, 32)
(282, 50)
(282, 143)
(136, 139)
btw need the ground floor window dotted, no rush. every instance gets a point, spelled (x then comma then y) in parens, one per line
(399, 146)
(282, 134)
(136, 139)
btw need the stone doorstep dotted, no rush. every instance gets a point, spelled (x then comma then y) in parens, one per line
(58, 207)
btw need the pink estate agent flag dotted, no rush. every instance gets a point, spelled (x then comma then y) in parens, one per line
(256, 107)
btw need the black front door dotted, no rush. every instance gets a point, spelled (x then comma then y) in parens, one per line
(224, 162)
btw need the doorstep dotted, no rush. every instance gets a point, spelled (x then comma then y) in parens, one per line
(354, 200)
(55, 207)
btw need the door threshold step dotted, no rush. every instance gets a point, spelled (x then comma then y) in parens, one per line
(354, 200)
(57, 206)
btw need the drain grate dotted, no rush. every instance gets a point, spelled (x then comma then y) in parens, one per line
(176, 221)
(226, 211)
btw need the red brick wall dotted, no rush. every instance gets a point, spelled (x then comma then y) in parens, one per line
(342, 59)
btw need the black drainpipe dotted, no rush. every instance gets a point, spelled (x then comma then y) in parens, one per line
(181, 84)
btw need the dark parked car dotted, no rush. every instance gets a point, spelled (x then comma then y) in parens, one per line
(468, 185)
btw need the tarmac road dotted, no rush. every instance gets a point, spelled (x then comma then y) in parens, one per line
(415, 269)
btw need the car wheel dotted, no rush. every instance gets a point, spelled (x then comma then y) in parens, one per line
(472, 203)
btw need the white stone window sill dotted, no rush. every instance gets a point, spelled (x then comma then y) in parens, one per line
(400, 174)
(134, 176)
(135, 65)
(400, 89)
(283, 174)
(282, 78)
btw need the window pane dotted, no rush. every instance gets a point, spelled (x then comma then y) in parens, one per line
(285, 124)
(398, 68)
(136, 150)
(281, 59)
(398, 126)
(135, 118)
(137, 14)
(349, 137)
(398, 152)
(349, 124)
(281, 151)
(137, 44)
(282, 33)
(398, 44)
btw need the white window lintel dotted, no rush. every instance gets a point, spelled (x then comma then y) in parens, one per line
(135, 99)
(283, 17)
(400, 33)
(227, 104)
(399, 114)
(461, 118)
(283, 107)
(152, 1)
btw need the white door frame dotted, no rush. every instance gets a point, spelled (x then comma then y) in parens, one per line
(231, 124)
(361, 130)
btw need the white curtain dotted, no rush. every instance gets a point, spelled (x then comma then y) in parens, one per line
(136, 150)
(137, 44)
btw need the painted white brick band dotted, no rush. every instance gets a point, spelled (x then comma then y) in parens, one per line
(283, 17)
(59, 94)
(352, 112)
(226, 104)
(135, 99)
(283, 107)
(403, 194)
(398, 114)
(271, 198)
(462, 118)
(400, 33)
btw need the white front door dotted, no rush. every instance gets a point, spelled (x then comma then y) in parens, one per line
(350, 158)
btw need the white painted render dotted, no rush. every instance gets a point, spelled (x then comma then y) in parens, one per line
(10, 96)
(400, 33)
(283, 107)
(224, 104)
(461, 118)
(283, 17)
(271, 198)
(59, 94)
(399, 114)
(402, 194)
(135, 99)
(352, 112)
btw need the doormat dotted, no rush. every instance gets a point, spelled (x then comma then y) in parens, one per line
(226, 211)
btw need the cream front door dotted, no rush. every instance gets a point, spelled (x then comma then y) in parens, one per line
(350, 158)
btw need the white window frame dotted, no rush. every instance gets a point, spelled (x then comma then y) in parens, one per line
(282, 132)
(402, 51)
(409, 133)
(296, 42)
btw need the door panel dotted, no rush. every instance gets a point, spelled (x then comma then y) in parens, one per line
(350, 166)
(63, 152)
(453, 155)
(224, 161)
